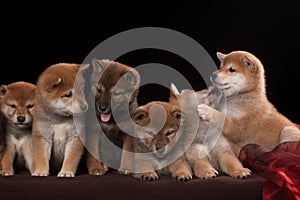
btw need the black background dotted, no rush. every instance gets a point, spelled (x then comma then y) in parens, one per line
(35, 36)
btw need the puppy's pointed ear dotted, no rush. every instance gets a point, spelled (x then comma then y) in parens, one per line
(173, 92)
(220, 55)
(140, 113)
(174, 89)
(100, 65)
(3, 90)
(133, 77)
(56, 82)
(83, 68)
(248, 63)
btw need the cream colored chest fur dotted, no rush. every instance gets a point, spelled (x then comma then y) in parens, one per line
(62, 134)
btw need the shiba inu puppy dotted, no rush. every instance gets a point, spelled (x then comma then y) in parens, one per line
(210, 152)
(156, 140)
(55, 136)
(249, 116)
(2, 136)
(18, 100)
(115, 89)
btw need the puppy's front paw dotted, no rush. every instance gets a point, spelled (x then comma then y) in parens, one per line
(241, 174)
(147, 176)
(98, 171)
(206, 173)
(123, 171)
(7, 172)
(40, 173)
(66, 174)
(125, 168)
(205, 112)
(182, 175)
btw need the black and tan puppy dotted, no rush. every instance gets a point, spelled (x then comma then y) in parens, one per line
(115, 89)
(17, 105)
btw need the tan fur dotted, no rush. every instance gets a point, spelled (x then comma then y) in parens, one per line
(2, 135)
(209, 152)
(249, 116)
(18, 100)
(156, 142)
(56, 142)
(106, 91)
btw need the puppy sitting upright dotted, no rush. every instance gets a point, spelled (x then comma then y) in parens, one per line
(17, 105)
(115, 86)
(249, 116)
(55, 136)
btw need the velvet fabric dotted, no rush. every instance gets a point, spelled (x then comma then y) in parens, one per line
(280, 167)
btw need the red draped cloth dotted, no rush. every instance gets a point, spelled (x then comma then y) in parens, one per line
(280, 167)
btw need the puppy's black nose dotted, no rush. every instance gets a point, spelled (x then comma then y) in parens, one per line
(83, 107)
(102, 108)
(214, 75)
(21, 119)
(160, 150)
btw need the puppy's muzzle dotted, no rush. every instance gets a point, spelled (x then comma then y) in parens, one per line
(160, 150)
(214, 75)
(103, 108)
(84, 107)
(21, 119)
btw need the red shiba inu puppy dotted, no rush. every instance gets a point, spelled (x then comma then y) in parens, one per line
(55, 135)
(151, 145)
(18, 100)
(2, 136)
(248, 114)
(210, 152)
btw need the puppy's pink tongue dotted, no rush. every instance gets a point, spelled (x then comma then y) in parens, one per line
(105, 117)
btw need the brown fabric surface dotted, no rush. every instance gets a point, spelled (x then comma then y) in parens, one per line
(115, 186)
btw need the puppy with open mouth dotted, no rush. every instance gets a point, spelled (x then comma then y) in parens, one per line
(115, 88)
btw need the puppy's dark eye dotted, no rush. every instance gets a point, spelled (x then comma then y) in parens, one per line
(117, 93)
(169, 133)
(29, 106)
(232, 70)
(150, 133)
(13, 106)
(99, 90)
(68, 95)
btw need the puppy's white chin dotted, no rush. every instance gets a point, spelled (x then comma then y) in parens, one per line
(66, 113)
(22, 125)
(221, 86)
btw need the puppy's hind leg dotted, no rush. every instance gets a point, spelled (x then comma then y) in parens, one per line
(290, 133)
(231, 165)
